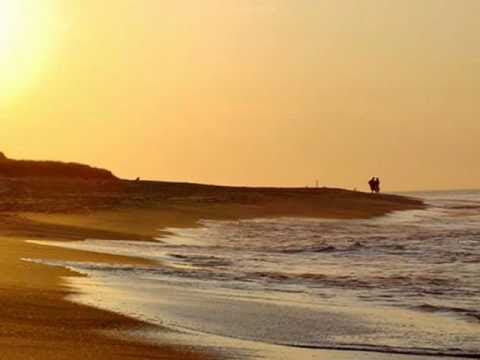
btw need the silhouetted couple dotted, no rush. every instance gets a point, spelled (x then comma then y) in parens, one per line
(374, 184)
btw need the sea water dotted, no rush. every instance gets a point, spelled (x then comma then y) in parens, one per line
(405, 283)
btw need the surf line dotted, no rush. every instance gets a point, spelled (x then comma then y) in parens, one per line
(384, 350)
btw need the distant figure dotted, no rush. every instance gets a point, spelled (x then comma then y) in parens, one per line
(137, 179)
(372, 184)
(377, 185)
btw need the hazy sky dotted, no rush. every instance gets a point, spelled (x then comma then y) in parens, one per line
(251, 92)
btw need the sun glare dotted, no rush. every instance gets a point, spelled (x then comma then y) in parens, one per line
(24, 43)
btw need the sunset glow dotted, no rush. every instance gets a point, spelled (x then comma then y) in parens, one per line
(25, 36)
(247, 92)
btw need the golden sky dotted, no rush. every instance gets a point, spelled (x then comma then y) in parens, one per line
(247, 92)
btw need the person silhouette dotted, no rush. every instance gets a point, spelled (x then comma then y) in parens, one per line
(372, 183)
(377, 185)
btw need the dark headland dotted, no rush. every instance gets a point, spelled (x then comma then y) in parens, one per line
(56, 190)
(65, 201)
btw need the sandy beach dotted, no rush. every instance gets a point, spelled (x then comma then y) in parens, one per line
(38, 323)
(37, 320)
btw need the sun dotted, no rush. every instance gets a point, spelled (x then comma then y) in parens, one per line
(25, 34)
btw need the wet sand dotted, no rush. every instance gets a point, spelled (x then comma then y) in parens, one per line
(38, 323)
(37, 320)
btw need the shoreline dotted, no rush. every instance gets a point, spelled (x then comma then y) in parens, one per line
(41, 322)
(38, 320)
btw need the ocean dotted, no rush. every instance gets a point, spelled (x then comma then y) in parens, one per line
(403, 284)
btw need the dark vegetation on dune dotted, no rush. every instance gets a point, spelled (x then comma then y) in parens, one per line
(53, 169)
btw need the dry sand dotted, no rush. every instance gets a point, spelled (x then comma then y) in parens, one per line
(37, 322)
